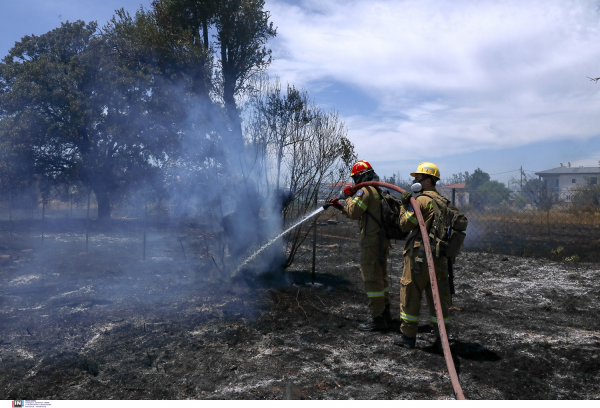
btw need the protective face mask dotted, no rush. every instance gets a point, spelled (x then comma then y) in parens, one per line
(416, 187)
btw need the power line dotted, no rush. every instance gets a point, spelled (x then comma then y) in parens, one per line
(510, 171)
(504, 172)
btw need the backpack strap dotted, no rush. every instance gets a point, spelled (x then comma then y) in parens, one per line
(435, 241)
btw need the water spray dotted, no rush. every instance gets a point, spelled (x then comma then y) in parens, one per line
(272, 241)
(415, 188)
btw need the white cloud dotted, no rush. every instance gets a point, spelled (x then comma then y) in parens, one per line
(450, 76)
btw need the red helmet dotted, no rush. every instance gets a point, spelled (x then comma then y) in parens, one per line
(360, 167)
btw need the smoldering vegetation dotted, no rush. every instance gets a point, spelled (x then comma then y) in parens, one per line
(169, 111)
(144, 161)
(105, 324)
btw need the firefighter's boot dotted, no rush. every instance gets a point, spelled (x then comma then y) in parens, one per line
(387, 315)
(405, 341)
(374, 324)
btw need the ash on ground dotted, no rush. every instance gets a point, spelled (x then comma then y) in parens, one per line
(107, 325)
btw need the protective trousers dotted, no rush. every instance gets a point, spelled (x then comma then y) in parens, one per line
(412, 286)
(375, 278)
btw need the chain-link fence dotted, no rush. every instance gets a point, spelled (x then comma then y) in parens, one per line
(562, 225)
(559, 224)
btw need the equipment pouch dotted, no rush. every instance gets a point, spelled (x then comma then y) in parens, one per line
(419, 260)
(455, 241)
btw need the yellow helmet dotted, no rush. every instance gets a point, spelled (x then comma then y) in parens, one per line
(427, 168)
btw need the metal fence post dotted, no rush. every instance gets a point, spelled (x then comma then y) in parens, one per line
(43, 217)
(314, 248)
(145, 225)
(87, 224)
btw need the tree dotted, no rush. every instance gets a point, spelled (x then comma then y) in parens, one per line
(483, 191)
(17, 170)
(475, 180)
(297, 145)
(490, 193)
(85, 113)
(181, 113)
(586, 198)
(536, 192)
(242, 31)
(456, 178)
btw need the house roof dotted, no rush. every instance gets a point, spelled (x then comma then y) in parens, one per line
(569, 170)
(457, 185)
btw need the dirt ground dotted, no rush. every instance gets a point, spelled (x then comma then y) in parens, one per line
(108, 325)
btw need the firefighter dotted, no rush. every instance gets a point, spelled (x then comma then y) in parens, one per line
(415, 276)
(365, 207)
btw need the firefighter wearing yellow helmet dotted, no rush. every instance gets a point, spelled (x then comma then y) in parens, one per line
(415, 276)
(365, 207)
(428, 169)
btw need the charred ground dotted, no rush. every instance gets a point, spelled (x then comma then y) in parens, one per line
(107, 325)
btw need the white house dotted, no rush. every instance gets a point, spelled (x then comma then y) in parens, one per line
(562, 179)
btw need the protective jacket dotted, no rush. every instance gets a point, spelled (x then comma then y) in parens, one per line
(409, 222)
(415, 275)
(365, 199)
(374, 253)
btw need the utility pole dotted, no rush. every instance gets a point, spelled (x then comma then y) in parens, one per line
(521, 178)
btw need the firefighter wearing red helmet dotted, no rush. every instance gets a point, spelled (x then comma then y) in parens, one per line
(415, 276)
(365, 206)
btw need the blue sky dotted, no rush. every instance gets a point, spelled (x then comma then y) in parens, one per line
(463, 84)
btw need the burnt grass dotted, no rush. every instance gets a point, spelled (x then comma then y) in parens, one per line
(108, 325)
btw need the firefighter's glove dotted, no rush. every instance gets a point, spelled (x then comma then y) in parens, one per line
(335, 202)
(406, 198)
(348, 191)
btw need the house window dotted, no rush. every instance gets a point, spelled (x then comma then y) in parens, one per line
(593, 180)
(556, 182)
(573, 181)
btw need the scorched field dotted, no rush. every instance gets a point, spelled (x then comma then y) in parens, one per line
(105, 324)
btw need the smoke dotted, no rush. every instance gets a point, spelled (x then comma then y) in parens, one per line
(191, 197)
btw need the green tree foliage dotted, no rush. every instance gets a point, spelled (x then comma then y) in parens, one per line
(586, 198)
(83, 114)
(17, 170)
(242, 32)
(178, 70)
(490, 193)
(535, 191)
(475, 180)
(485, 192)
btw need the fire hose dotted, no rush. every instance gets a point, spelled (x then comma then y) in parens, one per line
(434, 286)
